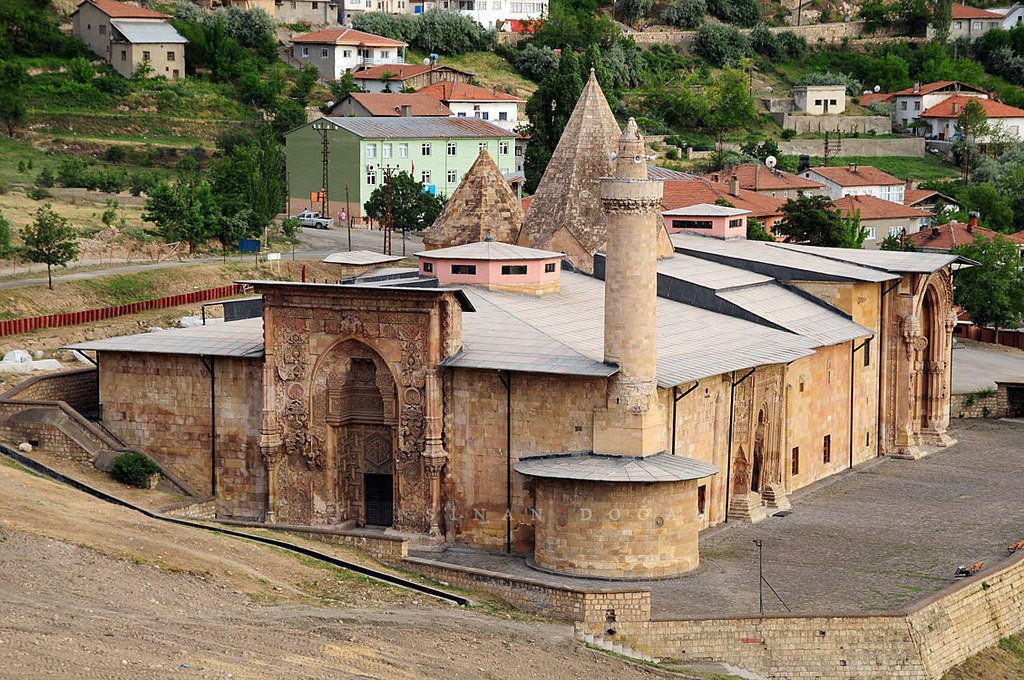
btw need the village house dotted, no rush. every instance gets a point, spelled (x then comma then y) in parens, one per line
(1012, 16)
(970, 22)
(434, 150)
(913, 101)
(942, 118)
(336, 50)
(365, 104)
(943, 238)
(883, 218)
(501, 400)
(857, 180)
(470, 101)
(819, 100)
(932, 201)
(314, 13)
(492, 13)
(127, 36)
(772, 182)
(405, 77)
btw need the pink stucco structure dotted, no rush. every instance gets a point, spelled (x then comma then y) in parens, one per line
(719, 221)
(493, 264)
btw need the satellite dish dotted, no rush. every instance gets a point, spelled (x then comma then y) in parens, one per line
(866, 92)
(771, 161)
(878, 88)
(426, 61)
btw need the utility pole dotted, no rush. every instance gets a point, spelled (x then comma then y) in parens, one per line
(348, 207)
(760, 576)
(321, 126)
(387, 210)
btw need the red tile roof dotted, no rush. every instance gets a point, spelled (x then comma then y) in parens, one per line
(680, 193)
(448, 91)
(756, 177)
(928, 88)
(915, 196)
(952, 234)
(874, 98)
(520, 25)
(993, 109)
(872, 208)
(967, 12)
(386, 104)
(862, 176)
(120, 10)
(403, 71)
(527, 200)
(346, 36)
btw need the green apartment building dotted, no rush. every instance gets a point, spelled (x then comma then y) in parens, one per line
(437, 151)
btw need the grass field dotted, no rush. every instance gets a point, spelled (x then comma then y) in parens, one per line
(906, 168)
(490, 70)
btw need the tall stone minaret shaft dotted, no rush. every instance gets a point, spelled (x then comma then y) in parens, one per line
(633, 422)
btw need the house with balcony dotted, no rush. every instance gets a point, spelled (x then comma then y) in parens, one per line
(493, 13)
(127, 36)
(942, 118)
(857, 180)
(913, 101)
(336, 50)
(470, 101)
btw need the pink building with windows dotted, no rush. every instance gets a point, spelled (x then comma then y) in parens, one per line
(494, 265)
(720, 221)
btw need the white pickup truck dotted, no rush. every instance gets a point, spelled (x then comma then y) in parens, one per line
(311, 218)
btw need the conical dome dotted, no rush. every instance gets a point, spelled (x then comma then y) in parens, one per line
(483, 205)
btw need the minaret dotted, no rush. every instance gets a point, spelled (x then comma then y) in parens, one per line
(633, 422)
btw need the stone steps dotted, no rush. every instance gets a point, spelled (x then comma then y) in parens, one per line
(604, 644)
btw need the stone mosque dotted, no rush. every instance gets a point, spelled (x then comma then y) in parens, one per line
(577, 384)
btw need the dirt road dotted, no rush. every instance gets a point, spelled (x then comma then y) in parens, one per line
(89, 590)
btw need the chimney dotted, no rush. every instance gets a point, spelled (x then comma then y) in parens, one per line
(973, 221)
(992, 94)
(935, 231)
(917, 86)
(405, 110)
(632, 424)
(734, 186)
(852, 167)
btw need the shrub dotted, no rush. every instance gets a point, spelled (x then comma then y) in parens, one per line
(134, 468)
(536, 63)
(719, 44)
(788, 134)
(45, 178)
(765, 42)
(792, 44)
(72, 172)
(115, 154)
(739, 12)
(38, 193)
(686, 13)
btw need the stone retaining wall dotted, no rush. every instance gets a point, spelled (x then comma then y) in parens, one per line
(596, 609)
(860, 146)
(813, 33)
(845, 124)
(974, 405)
(78, 388)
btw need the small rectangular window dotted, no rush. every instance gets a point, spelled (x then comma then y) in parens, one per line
(403, 150)
(549, 267)
(385, 151)
(826, 449)
(425, 149)
(324, 52)
(452, 148)
(316, 5)
(453, 176)
(428, 266)
(371, 175)
(347, 54)
(103, 29)
(464, 269)
(513, 269)
(702, 498)
(867, 438)
(503, 147)
(794, 466)
(483, 145)
(425, 177)
(867, 352)
(371, 150)
(735, 224)
(124, 55)
(145, 56)
(305, 51)
(170, 56)
(502, 115)
(484, 115)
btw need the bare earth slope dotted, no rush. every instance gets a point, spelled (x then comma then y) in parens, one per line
(90, 590)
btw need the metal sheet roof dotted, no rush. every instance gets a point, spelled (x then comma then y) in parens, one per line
(489, 250)
(708, 273)
(784, 263)
(661, 467)
(147, 32)
(884, 260)
(411, 127)
(360, 257)
(241, 339)
(794, 312)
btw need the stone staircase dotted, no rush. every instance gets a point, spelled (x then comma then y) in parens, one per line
(598, 642)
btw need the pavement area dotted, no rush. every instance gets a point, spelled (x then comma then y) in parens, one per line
(977, 365)
(876, 538)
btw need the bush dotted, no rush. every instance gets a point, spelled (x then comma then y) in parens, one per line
(719, 44)
(738, 12)
(686, 13)
(451, 33)
(536, 63)
(115, 154)
(788, 134)
(792, 44)
(765, 42)
(38, 193)
(134, 468)
(45, 178)
(72, 172)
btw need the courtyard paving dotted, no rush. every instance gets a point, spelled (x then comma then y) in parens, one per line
(875, 538)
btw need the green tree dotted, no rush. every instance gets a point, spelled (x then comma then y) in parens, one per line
(549, 109)
(972, 129)
(49, 240)
(719, 44)
(592, 59)
(12, 111)
(347, 85)
(898, 242)
(757, 232)
(183, 211)
(81, 71)
(916, 14)
(288, 115)
(6, 238)
(993, 291)
(686, 13)
(942, 17)
(994, 208)
(631, 11)
(250, 178)
(730, 103)
(291, 227)
(303, 86)
(814, 220)
(876, 14)
(536, 63)
(411, 207)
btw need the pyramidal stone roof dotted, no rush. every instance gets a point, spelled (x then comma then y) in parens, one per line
(483, 205)
(566, 213)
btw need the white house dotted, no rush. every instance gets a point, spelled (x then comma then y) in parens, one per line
(336, 50)
(819, 100)
(942, 117)
(470, 101)
(490, 12)
(1012, 16)
(857, 180)
(913, 101)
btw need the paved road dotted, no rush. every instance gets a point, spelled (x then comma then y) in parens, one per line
(976, 366)
(315, 244)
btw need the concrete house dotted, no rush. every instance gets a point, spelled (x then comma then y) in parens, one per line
(819, 100)
(883, 218)
(470, 101)
(945, 237)
(942, 118)
(336, 50)
(913, 101)
(366, 105)
(857, 180)
(436, 151)
(970, 22)
(126, 36)
(398, 77)
(491, 13)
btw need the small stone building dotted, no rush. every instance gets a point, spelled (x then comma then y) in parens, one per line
(126, 36)
(819, 100)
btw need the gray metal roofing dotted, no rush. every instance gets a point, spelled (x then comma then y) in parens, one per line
(785, 263)
(890, 261)
(147, 32)
(360, 257)
(660, 467)
(656, 172)
(705, 209)
(242, 339)
(708, 273)
(693, 343)
(489, 250)
(495, 339)
(419, 127)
